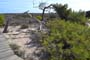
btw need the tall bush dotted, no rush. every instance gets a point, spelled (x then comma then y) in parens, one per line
(62, 10)
(68, 15)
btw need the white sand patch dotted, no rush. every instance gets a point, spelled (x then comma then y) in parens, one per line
(22, 38)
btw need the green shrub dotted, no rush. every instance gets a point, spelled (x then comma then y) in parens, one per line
(1, 20)
(52, 15)
(67, 41)
(39, 17)
(78, 17)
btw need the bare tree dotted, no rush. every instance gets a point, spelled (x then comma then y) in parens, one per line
(43, 7)
(6, 25)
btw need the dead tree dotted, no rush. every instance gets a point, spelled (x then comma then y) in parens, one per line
(6, 26)
(28, 13)
(44, 11)
(42, 20)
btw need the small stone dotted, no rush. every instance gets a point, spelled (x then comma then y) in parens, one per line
(24, 30)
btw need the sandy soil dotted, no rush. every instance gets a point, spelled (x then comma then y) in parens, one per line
(22, 38)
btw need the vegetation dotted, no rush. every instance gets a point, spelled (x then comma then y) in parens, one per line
(88, 14)
(67, 41)
(39, 17)
(67, 14)
(52, 15)
(68, 38)
(19, 16)
(17, 50)
(1, 20)
(62, 10)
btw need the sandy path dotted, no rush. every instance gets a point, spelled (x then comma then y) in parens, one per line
(21, 37)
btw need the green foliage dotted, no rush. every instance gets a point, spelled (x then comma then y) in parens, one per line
(62, 10)
(39, 17)
(52, 15)
(68, 15)
(78, 17)
(67, 41)
(1, 20)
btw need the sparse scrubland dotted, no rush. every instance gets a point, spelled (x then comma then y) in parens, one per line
(68, 37)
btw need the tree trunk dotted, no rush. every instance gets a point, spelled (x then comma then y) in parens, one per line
(6, 27)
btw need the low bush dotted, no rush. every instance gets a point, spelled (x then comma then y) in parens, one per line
(39, 17)
(67, 41)
(78, 17)
(1, 20)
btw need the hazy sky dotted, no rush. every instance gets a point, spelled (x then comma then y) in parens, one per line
(18, 6)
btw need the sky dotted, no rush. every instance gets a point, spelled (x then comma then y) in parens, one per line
(20, 6)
